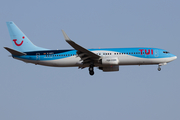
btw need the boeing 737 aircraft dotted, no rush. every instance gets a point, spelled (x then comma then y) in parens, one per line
(106, 59)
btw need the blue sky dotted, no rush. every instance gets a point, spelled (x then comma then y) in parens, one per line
(37, 92)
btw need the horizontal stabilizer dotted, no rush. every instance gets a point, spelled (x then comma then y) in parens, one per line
(14, 52)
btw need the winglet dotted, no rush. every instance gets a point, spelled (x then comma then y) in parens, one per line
(79, 48)
(65, 36)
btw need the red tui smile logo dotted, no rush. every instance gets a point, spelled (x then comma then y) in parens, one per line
(17, 43)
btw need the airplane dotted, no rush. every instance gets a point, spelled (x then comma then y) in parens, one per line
(106, 59)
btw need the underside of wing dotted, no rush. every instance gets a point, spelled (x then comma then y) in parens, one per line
(85, 55)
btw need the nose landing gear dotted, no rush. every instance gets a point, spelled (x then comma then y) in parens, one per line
(91, 69)
(159, 68)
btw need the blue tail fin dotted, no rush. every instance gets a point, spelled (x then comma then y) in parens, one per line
(19, 39)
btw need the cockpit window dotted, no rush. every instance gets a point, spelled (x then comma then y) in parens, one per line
(165, 52)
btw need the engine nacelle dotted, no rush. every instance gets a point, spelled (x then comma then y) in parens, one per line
(110, 61)
(109, 68)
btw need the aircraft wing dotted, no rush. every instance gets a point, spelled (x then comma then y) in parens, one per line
(84, 54)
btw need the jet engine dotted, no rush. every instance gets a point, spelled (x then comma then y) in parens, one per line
(109, 68)
(110, 61)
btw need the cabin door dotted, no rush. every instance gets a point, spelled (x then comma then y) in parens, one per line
(37, 56)
(156, 53)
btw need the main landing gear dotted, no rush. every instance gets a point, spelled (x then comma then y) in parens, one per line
(91, 69)
(159, 68)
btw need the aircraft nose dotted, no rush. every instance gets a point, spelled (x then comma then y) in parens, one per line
(175, 57)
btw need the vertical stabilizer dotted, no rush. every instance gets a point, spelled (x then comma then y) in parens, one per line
(19, 39)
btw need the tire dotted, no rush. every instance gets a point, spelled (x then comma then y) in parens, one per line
(159, 69)
(90, 68)
(91, 72)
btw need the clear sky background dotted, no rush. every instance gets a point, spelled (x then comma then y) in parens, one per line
(33, 92)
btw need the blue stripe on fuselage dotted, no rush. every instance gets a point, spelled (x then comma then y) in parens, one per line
(60, 54)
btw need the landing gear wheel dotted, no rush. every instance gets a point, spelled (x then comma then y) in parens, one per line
(91, 69)
(91, 72)
(159, 69)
